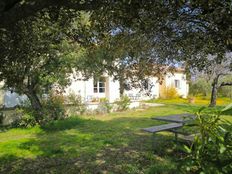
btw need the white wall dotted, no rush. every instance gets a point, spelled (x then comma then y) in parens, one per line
(154, 93)
(170, 81)
(114, 92)
(85, 89)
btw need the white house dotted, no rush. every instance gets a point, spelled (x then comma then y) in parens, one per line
(106, 87)
(92, 90)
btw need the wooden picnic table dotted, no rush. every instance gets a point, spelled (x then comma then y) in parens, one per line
(175, 122)
(178, 118)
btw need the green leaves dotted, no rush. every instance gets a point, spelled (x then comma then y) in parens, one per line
(227, 108)
(211, 150)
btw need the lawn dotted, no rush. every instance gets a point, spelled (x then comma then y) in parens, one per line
(197, 101)
(110, 143)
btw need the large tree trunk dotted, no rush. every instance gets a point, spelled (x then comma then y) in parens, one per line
(35, 103)
(213, 100)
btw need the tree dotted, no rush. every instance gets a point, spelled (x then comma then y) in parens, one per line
(217, 71)
(38, 53)
(214, 70)
(13, 11)
(125, 56)
(170, 30)
(200, 86)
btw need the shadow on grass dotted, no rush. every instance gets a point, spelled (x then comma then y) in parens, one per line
(78, 145)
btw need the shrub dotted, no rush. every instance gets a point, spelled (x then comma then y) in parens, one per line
(211, 151)
(27, 118)
(104, 106)
(170, 92)
(76, 101)
(123, 104)
(52, 109)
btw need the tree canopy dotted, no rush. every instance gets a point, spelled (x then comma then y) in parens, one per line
(37, 36)
(37, 53)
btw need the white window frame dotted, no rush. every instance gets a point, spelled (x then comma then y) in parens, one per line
(99, 85)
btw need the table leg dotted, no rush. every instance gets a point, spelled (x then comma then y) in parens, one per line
(176, 136)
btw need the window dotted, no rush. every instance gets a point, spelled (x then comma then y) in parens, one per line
(99, 85)
(177, 83)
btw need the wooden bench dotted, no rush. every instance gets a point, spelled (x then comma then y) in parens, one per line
(164, 127)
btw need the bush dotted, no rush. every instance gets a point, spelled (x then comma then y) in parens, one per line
(27, 118)
(104, 106)
(170, 92)
(211, 151)
(123, 104)
(52, 109)
(76, 101)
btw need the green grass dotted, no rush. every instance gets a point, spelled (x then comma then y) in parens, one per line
(110, 143)
(197, 101)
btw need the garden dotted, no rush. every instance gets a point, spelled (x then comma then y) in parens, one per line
(174, 57)
(100, 143)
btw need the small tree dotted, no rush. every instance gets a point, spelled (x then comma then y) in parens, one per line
(217, 70)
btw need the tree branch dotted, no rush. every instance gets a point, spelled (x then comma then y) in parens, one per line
(226, 84)
(18, 11)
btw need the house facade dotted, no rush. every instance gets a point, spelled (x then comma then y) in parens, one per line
(92, 90)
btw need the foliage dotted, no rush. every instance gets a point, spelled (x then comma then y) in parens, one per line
(211, 151)
(226, 91)
(104, 106)
(169, 92)
(140, 33)
(123, 104)
(76, 103)
(214, 82)
(52, 109)
(200, 87)
(26, 119)
(42, 55)
(211, 17)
